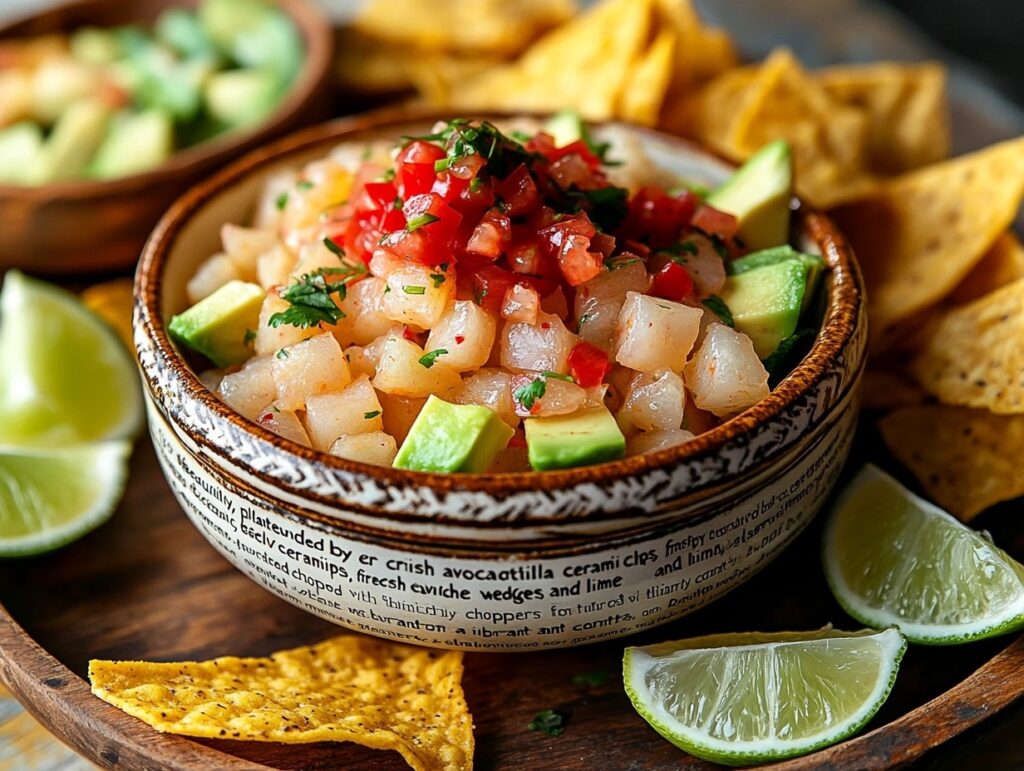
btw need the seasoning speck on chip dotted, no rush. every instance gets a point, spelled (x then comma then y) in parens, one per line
(378, 694)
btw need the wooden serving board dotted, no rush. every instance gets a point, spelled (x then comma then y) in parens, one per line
(146, 585)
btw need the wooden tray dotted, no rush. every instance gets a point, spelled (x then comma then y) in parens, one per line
(146, 585)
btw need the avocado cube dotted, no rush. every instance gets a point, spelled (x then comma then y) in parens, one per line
(254, 34)
(815, 265)
(20, 147)
(766, 302)
(180, 29)
(242, 97)
(450, 438)
(218, 326)
(758, 195)
(581, 438)
(135, 142)
(72, 143)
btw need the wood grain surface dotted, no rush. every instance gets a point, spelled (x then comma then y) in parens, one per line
(146, 585)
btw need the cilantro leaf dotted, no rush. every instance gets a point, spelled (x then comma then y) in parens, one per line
(528, 394)
(437, 278)
(606, 206)
(548, 721)
(304, 185)
(717, 305)
(333, 248)
(310, 297)
(282, 200)
(791, 350)
(428, 359)
(418, 222)
(371, 415)
(559, 376)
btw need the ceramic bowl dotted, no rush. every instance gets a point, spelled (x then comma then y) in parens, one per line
(89, 226)
(493, 562)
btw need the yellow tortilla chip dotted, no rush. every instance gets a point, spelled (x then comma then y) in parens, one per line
(1001, 265)
(881, 390)
(348, 688)
(584, 65)
(743, 110)
(649, 77)
(112, 301)
(701, 52)
(966, 460)
(491, 27)
(921, 233)
(975, 355)
(906, 108)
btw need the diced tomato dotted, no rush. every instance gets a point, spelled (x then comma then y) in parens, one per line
(580, 149)
(519, 192)
(673, 282)
(381, 194)
(715, 222)
(603, 243)
(414, 167)
(491, 235)
(588, 364)
(569, 240)
(489, 287)
(656, 218)
(430, 243)
(571, 171)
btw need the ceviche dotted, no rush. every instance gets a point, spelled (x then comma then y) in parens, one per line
(473, 300)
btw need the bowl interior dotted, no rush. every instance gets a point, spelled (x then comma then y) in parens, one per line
(189, 233)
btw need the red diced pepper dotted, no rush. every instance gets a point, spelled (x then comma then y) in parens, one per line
(588, 364)
(673, 282)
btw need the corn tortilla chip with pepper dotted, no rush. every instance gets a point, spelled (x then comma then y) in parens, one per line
(1002, 264)
(967, 460)
(974, 356)
(349, 688)
(920, 234)
(906, 108)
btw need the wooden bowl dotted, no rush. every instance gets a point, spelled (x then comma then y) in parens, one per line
(493, 561)
(89, 226)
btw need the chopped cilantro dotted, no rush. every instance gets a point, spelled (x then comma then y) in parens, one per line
(606, 206)
(717, 305)
(371, 415)
(614, 263)
(437, 278)
(282, 200)
(282, 354)
(592, 679)
(367, 152)
(418, 222)
(528, 394)
(333, 248)
(678, 250)
(717, 243)
(310, 297)
(413, 289)
(548, 721)
(387, 289)
(428, 359)
(559, 376)
(520, 136)
(479, 295)
(444, 267)
(781, 361)
(388, 175)
(250, 336)
(303, 185)
(583, 320)
(475, 184)
(501, 153)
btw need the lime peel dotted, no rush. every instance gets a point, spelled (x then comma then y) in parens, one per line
(894, 559)
(654, 674)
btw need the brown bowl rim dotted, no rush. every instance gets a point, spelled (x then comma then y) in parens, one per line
(837, 330)
(317, 35)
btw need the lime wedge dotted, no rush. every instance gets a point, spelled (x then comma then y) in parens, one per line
(51, 497)
(893, 558)
(65, 378)
(750, 698)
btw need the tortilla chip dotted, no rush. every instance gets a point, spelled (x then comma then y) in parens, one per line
(583, 65)
(348, 688)
(702, 52)
(920, 234)
(966, 460)
(491, 27)
(975, 356)
(743, 110)
(1002, 264)
(906, 108)
(881, 390)
(650, 76)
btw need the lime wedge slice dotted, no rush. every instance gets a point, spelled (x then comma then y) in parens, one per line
(893, 558)
(750, 698)
(51, 497)
(65, 378)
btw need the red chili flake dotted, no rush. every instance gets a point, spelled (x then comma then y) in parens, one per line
(266, 417)
(459, 339)
(545, 325)
(408, 334)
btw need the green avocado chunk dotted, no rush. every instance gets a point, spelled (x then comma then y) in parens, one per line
(766, 302)
(758, 195)
(72, 143)
(135, 142)
(815, 265)
(579, 439)
(20, 147)
(566, 127)
(242, 97)
(218, 326)
(451, 438)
